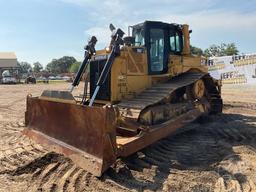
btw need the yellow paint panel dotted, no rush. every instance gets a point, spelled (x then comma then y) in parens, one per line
(136, 61)
(137, 84)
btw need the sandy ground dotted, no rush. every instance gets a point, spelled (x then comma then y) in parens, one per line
(218, 154)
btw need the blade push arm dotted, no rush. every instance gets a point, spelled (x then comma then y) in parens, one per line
(116, 41)
(89, 51)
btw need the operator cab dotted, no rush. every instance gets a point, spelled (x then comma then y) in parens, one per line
(160, 39)
(157, 40)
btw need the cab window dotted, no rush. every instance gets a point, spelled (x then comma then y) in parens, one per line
(175, 42)
(138, 34)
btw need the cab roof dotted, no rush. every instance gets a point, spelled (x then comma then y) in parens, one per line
(155, 23)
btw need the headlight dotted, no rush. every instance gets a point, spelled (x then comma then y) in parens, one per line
(108, 49)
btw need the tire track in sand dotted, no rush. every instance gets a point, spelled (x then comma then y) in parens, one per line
(189, 161)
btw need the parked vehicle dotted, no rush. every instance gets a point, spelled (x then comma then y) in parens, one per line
(9, 80)
(30, 79)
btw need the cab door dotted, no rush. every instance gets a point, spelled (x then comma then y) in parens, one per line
(157, 50)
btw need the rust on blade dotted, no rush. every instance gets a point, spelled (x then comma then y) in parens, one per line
(84, 134)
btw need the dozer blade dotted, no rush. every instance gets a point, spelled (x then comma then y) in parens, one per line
(84, 134)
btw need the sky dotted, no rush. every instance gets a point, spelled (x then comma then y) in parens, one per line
(41, 30)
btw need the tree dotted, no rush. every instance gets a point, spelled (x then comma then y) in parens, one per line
(61, 65)
(52, 66)
(37, 67)
(231, 49)
(196, 50)
(74, 67)
(213, 50)
(221, 50)
(25, 67)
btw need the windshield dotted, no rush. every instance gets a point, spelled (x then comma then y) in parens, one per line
(139, 36)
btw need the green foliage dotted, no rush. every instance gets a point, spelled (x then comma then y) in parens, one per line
(213, 50)
(74, 67)
(231, 49)
(24, 67)
(221, 50)
(196, 50)
(61, 65)
(37, 67)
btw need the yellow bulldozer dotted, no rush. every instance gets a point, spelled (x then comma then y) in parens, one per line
(142, 87)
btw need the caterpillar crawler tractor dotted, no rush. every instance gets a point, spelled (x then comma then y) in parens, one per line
(143, 87)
